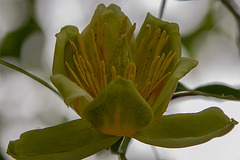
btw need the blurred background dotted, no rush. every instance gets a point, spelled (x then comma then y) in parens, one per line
(27, 39)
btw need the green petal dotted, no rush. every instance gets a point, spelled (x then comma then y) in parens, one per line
(113, 17)
(72, 140)
(119, 110)
(172, 29)
(63, 50)
(71, 92)
(184, 66)
(183, 130)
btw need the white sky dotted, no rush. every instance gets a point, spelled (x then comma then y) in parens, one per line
(22, 99)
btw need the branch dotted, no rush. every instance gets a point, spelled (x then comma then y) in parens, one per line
(162, 8)
(233, 7)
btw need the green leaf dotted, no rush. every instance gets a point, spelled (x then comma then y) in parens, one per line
(119, 109)
(183, 130)
(220, 91)
(215, 90)
(73, 140)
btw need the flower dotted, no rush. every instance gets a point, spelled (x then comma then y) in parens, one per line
(118, 74)
(120, 86)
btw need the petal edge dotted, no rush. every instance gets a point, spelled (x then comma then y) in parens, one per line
(184, 130)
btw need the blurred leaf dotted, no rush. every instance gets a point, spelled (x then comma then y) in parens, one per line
(235, 10)
(206, 25)
(1, 157)
(11, 45)
(184, 130)
(73, 140)
(220, 91)
(215, 90)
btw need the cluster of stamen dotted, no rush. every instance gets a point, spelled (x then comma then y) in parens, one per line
(148, 72)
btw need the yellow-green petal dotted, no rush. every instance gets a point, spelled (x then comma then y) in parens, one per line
(73, 140)
(184, 66)
(73, 94)
(63, 51)
(183, 130)
(172, 30)
(119, 110)
(113, 17)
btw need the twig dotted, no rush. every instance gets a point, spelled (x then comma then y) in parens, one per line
(162, 8)
(233, 7)
(18, 69)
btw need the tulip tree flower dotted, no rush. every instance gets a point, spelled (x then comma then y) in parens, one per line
(120, 86)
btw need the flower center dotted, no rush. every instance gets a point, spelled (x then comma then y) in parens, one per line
(148, 72)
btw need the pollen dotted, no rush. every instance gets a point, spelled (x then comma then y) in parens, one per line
(148, 70)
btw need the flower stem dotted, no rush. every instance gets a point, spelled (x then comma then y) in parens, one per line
(123, 148)
(120, 147)
(123, 157)
(18, 69)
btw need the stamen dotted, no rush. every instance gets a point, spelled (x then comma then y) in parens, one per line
(74, 48)
(104, 46)
(82, 47)
(80, 71)
(166, 63)
(134, 72)
(123, 27)
(114, 73)
(93, 79)
(130, 72)
(162, 41)
(157, 70)
(142, 45)
(95, 51)
(149, 51)
(130, 33)
(156, 85)
(97, 34)
(103, 75)
(151, 73)
(88, 77)
(144, 92)
(74, 75)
